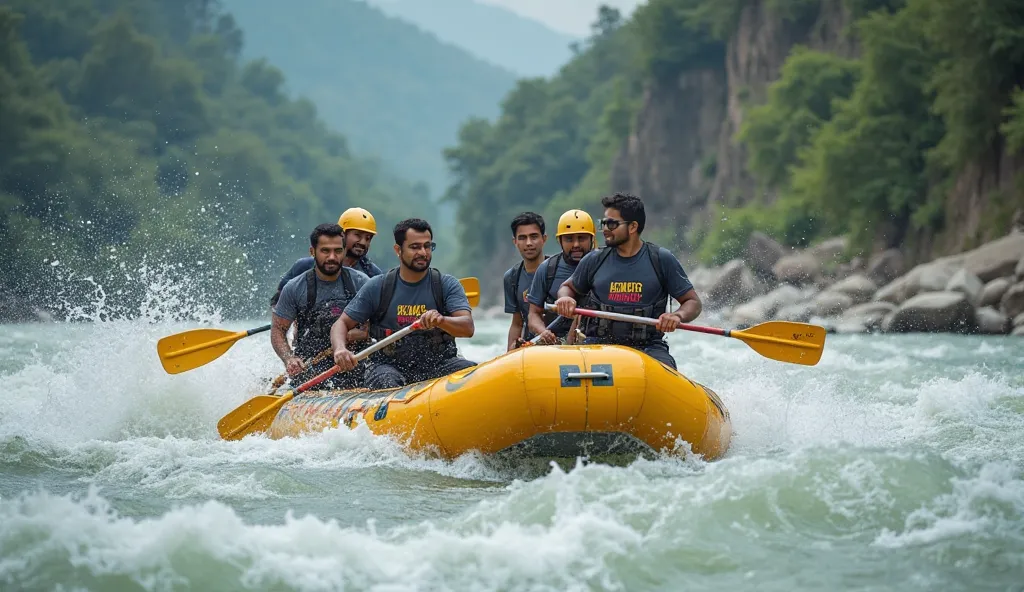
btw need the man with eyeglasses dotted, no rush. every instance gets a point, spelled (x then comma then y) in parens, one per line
(630, 276)
(389, 302)
(575, 234)
(529, 238)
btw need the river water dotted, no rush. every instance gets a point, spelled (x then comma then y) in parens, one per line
(895, 463)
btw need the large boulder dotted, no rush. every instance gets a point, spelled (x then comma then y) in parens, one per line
(927, 277)
(798, 313)
(734, 283)
(829, 250)
(993, 291)
(1018, 321)
(1018, 272)
(1017, 331)
(869, 315)
(968, 283)
(991, 322)
(886, 266)
(797, 268)
(830, 304)
(763, 307)
(1012, 303)
(932, 312)
(763, 252)
(997, 258)
(858, 287)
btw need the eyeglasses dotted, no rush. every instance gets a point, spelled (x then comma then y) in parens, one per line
(612, 223)
(425, 246)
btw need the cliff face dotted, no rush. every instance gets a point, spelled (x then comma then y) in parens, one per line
(685, 130)
(985, 200)
(665, 157)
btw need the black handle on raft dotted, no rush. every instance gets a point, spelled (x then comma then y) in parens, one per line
(258, 330)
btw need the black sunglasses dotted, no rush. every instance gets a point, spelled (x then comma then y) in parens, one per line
(419, 246)
(612, 223)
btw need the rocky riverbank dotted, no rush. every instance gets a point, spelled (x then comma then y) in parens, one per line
(979, 291)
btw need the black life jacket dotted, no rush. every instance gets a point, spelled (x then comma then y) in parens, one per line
(548, 317)
(619, 331)
(423, 344)
(366, 266)
(313, 322)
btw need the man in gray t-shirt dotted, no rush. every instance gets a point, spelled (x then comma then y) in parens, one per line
(630, 277)
(529, 238)
(313, 301)
(411, 292)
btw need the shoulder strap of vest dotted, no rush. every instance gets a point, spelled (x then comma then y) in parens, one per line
(347, 283)
(387, 292)
(654, 252)
(438, 290)
(516, 271)
(310, 290)
(549, 274)
(601, 258)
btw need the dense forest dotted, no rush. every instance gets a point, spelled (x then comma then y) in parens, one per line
(138, 146)
(396, 91)
(864, 145)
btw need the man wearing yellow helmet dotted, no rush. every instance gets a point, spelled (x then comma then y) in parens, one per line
(360, 228)
(575, 234)
(630, 276)
(529, 238)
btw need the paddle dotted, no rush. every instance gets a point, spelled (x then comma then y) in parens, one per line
(314, 360)
(191, 349)
(256, 414)
(796, 343)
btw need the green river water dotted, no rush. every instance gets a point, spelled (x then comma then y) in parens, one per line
(897, 463)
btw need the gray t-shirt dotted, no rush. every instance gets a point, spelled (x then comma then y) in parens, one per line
(563, 271)
(516, 303)
(408, 302)
(631, 282)
(293, 295)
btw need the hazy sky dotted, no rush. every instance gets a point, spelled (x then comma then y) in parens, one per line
(571, 16)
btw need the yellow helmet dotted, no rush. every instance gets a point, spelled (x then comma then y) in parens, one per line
(575, 221)
(357, 219)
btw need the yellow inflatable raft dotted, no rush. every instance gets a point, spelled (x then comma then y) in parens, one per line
(549, 401)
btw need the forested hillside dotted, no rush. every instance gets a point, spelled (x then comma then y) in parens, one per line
(397, 91)
(136, 141)
(499, 36)
(898, 123)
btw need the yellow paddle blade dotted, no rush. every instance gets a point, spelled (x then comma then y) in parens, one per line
(472, 287)
(192, 349)
(797, 343)
(255, 415)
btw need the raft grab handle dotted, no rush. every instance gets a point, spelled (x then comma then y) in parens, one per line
(600, 375)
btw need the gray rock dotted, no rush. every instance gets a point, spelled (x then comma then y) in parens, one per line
(927, 277)
(763, 252)
(1012, 303)
(993, 291)
(858, 287)
(829, 250)
(852, 327)
(968, 283)
(886, 266)
(991, 322)
(869, 314)
(797, 268)
(933, 312)
(798, 313)
(1018, 321)
(763, 307)
(830, 304)
(1018, 272)
(1017, 331)
(734, 283)
(997, 258)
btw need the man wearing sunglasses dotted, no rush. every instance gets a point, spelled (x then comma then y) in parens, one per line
(389, 302)
(576, 236)
(529, 238)
(630, 276)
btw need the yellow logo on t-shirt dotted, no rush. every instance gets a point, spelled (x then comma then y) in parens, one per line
(628, 292)
(406, 314)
